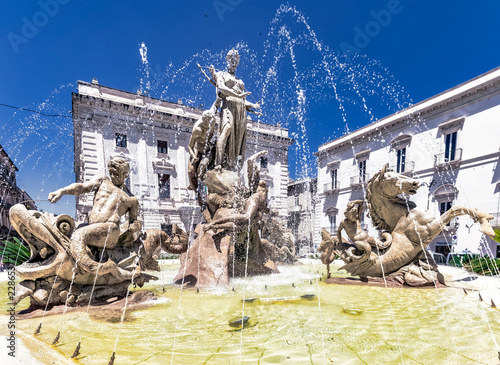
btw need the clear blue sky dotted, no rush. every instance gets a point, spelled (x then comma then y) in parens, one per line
(414, 49)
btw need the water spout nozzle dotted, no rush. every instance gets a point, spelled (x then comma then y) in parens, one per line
(465, 291)
(493, 304)
(77, 350)
(265, 286)
(233, 289)
(164, 289)
(310, 282)
(112, 360)
(38, 329)
(293, 285)
(56, 340)
(480, 297)
(198, 290)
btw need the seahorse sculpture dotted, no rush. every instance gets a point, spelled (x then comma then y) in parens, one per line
(411, 230)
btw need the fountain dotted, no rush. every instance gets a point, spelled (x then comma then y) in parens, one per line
(284, 313)
(95, 262)
(399, 255)
(230, 240)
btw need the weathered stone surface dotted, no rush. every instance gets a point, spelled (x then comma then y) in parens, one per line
(65, 263)
(406, 231)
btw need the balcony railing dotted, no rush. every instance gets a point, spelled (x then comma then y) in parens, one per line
(451, 158)
(358, 180)
(406, 168)
(331, 188)
(331, 230)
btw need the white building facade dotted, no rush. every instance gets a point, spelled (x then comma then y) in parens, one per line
(301, 204)
(449, 141)
(153, 135)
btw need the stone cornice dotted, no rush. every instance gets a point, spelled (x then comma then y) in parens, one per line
(115, 104)
(474, 89)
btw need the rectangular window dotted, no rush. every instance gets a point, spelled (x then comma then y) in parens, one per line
(121, 140)
(443, 248)
(443, 208)
(162, 146)
(401, 155)
(164, 184)
(167, 228)
(333, 220)
(263, 162)
(297, 201)
(450, 145)
(362, 171)
(333, 174)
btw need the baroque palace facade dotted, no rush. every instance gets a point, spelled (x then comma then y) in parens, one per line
(153, 135)
(10, 194)
(449, 141)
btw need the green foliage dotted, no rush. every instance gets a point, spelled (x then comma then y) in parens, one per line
(168, 256)
(497, 235)
(14, 253)
(484, 266)
(461, 260)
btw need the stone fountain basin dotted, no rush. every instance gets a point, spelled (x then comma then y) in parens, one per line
(347, 324)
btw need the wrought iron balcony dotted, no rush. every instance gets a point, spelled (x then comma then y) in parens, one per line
(406, 168)
(452, 159)
(359, 180)
(331, 188)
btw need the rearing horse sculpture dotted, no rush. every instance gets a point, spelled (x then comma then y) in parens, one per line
(412, 230)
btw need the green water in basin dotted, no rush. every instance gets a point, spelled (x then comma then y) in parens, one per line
(340, 325)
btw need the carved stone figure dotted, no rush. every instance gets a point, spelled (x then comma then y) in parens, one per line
(327, 249)
(200, 144)
(411, 231)
(231, 139)
(277, 239)
(230, 240)
(100, 259)
(362, 241)
(229, 243)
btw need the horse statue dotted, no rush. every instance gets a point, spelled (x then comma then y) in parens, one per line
(411, 230)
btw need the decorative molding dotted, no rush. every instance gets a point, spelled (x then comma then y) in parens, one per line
(334, 165)
(363, 155)
(332, 211)
(445, 193)
(163, 165)
(401, 141)
(451, 126)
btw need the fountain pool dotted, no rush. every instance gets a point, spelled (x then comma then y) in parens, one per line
(341, 324)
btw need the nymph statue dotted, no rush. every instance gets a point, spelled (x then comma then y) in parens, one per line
(231, 139)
